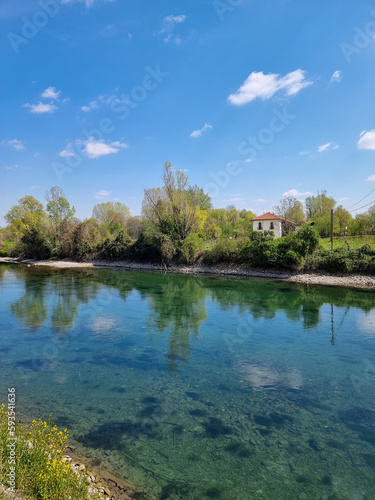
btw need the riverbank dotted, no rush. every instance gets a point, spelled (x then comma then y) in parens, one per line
(326, 279)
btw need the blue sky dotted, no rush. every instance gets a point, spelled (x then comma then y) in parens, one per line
(252, 98)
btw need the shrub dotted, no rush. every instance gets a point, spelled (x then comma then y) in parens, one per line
(190, 247)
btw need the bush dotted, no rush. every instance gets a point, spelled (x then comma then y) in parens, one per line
(190, 247)
(118, 248)
(7, 249)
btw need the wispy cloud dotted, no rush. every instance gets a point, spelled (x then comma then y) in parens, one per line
(91, 105)
(168, 26)
(14, 143)
(371, 178)
(51, 93)
(258, 85)
(260, 200)
(16, 167)
(199, 132)
(235, 199)
(329, 146)
(367, 139)
(102, 99)
(336, 77)
(41, 107)
(92, 148)
(303, 153)
(295, 193)
(102, 194)
(88, 3)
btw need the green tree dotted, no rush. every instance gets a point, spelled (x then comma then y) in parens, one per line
(197, 195)
(111, 215)
(169, 208)
(342, 218)
(319, 205)
(59, 210)
(291, 209)
(28, 215)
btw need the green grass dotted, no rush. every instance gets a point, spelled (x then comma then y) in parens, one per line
(38, 464)
(355, 242)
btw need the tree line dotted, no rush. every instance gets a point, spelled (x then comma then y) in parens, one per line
(178, 224)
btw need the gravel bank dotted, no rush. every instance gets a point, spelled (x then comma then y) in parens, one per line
(352, 281)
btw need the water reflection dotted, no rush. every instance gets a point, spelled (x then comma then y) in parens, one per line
(178, 304)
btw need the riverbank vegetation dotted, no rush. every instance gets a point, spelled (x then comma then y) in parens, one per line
(32, 461)
(179, 224)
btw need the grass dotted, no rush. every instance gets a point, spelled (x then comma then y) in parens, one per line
(354, 242)
(40, 470)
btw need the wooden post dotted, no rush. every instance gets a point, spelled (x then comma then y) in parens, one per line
(331, 228)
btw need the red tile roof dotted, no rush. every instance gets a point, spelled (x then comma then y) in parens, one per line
(268, 216)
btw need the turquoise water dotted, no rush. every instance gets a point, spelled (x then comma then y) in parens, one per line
(199, 387)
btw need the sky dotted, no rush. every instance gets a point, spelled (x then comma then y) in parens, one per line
(252, 99)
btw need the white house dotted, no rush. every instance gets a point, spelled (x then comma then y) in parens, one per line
(272, 222)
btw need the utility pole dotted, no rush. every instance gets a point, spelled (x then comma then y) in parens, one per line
(331, 228)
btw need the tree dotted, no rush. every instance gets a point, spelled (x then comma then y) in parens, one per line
(318, 206)
(112, 215)
(318, 210)
(291, 209)
(197, 195)
(343, 219)
(26, 216)
(169, 207)
(59, 210)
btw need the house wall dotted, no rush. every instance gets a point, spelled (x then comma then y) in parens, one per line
(277, 227)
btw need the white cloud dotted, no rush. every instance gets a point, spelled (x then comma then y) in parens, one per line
(367, 139)
(92, 148)
(248, 160)
(260, 200)
(102, 194)
(51, 93)
(92, 105)
(199, 132)
(371, 178)
(65, 153)
(95, 149)
(41, 108)
(259, 85)
(303, 153)
(14, 143)
(329, 146)
(336, 77)
(295, 193)
(168, 26)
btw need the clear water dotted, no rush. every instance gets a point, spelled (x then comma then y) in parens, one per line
(198, 387)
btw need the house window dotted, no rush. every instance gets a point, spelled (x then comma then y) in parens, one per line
(271, 225)
(259, 226)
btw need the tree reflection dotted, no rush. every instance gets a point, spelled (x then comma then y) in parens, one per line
(178, 307)
(177, 302)
(31, 309)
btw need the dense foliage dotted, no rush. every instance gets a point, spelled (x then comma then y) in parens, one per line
(179, 224)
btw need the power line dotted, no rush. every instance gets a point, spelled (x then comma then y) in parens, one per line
(361, 200)
(363, 206)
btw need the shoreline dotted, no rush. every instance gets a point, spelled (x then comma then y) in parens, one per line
(324, 279)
